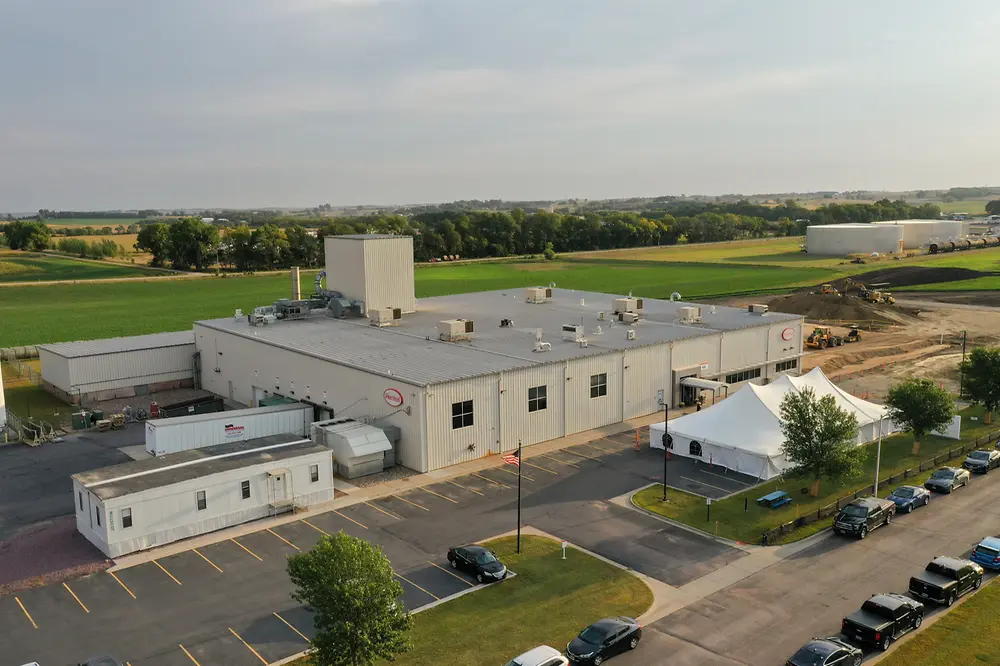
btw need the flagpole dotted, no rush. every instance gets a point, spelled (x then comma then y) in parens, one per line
(519, 496)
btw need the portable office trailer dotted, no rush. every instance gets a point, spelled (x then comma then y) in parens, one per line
(183, 433)
(147, 503)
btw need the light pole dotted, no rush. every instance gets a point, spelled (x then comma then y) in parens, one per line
(666, 405)
(878, 453)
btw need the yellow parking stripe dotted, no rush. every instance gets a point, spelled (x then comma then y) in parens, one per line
(544, 469)
(471, 490)
(504, 469)
(597, 448)
(292, 628)
(451, 573)
(403, 499)
(283, 539)
(198, 553)
(582, 455)
(189, 655)
(166, 572)
(26, 613)
(437, 598)
(324, 533)
(255, 653)
(486, 478)
(444, 497)
(391, 515)
(86, 610)
(253, 554)
(350, 519)
(124, 586)
(561, 462)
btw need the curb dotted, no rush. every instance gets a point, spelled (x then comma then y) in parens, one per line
(732, 543)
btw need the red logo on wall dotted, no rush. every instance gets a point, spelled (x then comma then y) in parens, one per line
(787, 334)
(393, 398)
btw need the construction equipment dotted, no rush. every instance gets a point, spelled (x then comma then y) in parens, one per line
(861, 289)
(828, 289)
(822, 337)
(853, 335)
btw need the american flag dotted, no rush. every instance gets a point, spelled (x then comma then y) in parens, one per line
(512, 459)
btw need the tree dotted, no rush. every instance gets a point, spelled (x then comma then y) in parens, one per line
(993, 207)
(349, 585)
(193, 243)
(27, 235)
(155, 239)
(981, 372)
(919, 406)
(820, 437)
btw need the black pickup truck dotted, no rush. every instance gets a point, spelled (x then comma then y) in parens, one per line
(863, 515)
(946, 579)
(882, 619)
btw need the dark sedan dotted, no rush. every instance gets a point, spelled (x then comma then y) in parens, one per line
(947, 479)
(907, 498)
(478, 561)
(826, 652)
(982, 461)
(605, 638)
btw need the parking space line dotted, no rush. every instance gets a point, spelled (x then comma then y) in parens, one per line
(286, 541)
(323, 532)
(486, 478)
(253, 554)
(582, 455)
(598, 448)
(471, 490)
(402, 499)
(563, 462)
(436, 597)
(450, 573)
(544, 469)
(198, 553)
(166, 572)
(523, 476)
(189, 655)
(702, 483)
(287, 624)
(85, 609)
(444, 497)
(124, 586)
(391, 515)
(255, 653)
(350, 519)
(26, 613)
(727, 478)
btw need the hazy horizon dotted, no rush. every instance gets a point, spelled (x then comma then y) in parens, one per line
(256, 103)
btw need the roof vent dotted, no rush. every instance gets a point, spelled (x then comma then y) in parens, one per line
(537, 294)
(572, 332)
(627, 305)
(385, 316)
(757, 309)
(539, 345)
(630, 334)
(690, 314)
(452, 330)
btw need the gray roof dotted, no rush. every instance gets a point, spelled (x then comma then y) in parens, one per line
(370, 236)
(138, 475)
(116, 345)
(411, 352)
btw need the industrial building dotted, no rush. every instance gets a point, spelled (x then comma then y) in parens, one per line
(468, 375)
(114, 368)
(921, 233)
(844, 239)
(148, 503)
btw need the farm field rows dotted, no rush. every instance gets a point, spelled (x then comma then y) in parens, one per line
(20, 267)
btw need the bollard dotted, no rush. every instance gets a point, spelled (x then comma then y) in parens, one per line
(746, 504)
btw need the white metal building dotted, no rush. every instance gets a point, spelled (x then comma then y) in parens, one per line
(198, 431)
(844, 239)
(376, 269)
(118, 367)
(461, 377)
(921, 233)
(148, 503)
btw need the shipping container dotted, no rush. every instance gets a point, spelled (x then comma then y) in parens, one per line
(195, 432)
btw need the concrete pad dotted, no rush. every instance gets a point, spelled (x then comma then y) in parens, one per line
(136, 452)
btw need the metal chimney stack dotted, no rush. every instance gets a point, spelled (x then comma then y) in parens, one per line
(296, 287)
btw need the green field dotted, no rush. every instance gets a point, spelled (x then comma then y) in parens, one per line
(20, 267)
(97, 223)
(967, 206)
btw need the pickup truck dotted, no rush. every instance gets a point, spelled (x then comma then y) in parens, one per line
(946, 579)
(882, 619)
(863, 515)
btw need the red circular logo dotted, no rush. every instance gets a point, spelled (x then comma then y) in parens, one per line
(393, 398)
(787, 333)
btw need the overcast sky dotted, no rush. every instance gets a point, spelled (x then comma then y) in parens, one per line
(252, 103)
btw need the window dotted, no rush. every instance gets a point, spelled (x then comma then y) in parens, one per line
(80, 495)
(202, 501)
(461, 414)
(537, 398)
(738, 377)
(694, 448)
(245, 489)
(786, 365)
(313, 473)
(97, 512)
(126, 518)
(599, 385)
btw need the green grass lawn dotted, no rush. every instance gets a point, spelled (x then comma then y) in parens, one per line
(734, 523)
(988, 283)
(547, 603)
(34, 402)
(18, 267)
(966, 635)
(967, 206)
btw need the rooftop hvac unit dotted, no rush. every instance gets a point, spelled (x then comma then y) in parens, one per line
(627, 305)
(628, 317)
(537, 294)
(630, 334)
(600, 316)
(572, 332)
(690, 314)
(385, 316)
(451, 330)
(263, 315)
(757, 309)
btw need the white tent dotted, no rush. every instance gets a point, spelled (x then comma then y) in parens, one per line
(743, 432)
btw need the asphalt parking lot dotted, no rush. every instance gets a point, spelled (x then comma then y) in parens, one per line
(230, 603)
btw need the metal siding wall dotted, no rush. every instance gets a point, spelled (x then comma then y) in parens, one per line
(584, 412)
(389, 279)
(349, 392)
(780, 349)
(745, 348)
(182, 434)
(647, 371)
(131, 368)
(55, 370)
(695, 351)
(345, 267)
(516, 422)
(447, 446)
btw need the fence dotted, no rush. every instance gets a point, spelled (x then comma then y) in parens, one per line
(28, 431)
(27, 374)
(771, 536)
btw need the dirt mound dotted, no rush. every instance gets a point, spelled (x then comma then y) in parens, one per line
(905, 276)
(830, 308)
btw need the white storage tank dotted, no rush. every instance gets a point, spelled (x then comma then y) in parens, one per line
(921, 233)
(844, 239)
(183, 433)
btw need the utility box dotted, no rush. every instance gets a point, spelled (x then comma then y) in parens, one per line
(627, 305)
(537, 294)
(358, 449)
(202, 430)
(690, 314)
(384, 316)
(628, 317)
(451, 330)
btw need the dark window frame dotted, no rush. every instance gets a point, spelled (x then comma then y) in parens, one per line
(790, 364)
(538, 398)
(201, 500)
(97, 512)
(80, 495)
(599, 385)
(245, 489)
(126, 514)
(313, 473)
(743, 376)
(695, 448)
(462, 414)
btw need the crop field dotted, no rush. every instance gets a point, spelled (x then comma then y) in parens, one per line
(125, 241)
(21, 267)
(97, 223)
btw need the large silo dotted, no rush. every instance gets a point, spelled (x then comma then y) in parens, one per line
(844, 239)
(921, 233)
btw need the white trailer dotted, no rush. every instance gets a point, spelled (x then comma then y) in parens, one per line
(184, 433)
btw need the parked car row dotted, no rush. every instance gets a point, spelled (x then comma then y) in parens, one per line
(592, 646)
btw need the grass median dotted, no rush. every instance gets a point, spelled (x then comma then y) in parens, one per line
(729, 520)
(547, 603)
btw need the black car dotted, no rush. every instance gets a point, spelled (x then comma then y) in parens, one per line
(982, 461)
(947, 479)
(945, 579)
(882, 619)
(826, 652)
(863, 515)
(605, 638)
(480, 562)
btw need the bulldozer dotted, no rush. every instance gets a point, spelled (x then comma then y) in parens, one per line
(853, 335)
(822, 337)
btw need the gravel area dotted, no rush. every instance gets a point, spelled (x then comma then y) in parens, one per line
(391, 474)
(45, 553)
